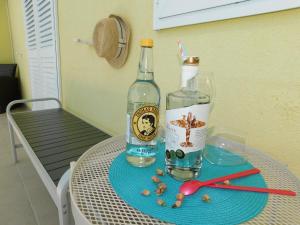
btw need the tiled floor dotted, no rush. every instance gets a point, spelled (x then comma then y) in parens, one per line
(23, 197)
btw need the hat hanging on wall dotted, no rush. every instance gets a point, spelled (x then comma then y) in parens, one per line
(111, 40)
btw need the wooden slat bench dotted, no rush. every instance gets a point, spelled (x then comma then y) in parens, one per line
(52, 138)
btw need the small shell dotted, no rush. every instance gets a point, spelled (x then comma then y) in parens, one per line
(206, 198)
(146, 192)
(159, 191)
(160, 202)
(162, 186)
(226, 182)
(155, 179)
(177, 204)
(159, 172)
(180, 196)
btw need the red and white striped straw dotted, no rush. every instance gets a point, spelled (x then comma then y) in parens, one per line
(182, 52)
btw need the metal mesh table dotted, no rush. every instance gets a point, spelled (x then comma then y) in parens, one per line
(94, 201)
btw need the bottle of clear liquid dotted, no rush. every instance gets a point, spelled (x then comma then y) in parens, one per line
(186, 118)
(143, 112)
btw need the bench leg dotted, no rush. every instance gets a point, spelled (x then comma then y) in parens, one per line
(64, 211)
(13, 143)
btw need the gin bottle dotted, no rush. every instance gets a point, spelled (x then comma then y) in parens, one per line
(143, 111)
(187, 113)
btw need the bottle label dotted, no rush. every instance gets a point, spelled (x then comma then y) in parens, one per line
(132, 139)
(186, 129)
(144, 123)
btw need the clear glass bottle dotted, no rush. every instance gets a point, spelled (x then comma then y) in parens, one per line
(143, 111)
(186, 119)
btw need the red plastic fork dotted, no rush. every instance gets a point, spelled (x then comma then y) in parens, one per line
(255, 189)
(192, 186)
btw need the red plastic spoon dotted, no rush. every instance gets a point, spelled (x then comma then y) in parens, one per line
(255, 189)
(192, 186)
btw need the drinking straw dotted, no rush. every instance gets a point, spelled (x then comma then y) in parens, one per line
(182, 52)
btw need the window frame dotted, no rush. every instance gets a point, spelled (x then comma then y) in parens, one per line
(241, 9)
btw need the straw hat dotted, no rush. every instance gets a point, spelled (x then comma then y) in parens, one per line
(111, 40)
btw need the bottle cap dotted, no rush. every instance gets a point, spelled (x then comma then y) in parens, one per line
(191, 60)
(147, 43)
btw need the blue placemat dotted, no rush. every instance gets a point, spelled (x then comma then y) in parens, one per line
(226, 207)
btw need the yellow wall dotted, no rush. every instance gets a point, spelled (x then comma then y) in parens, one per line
(5, 41)
(255, 61)
(16, 16)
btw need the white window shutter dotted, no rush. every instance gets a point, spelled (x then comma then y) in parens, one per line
(41, 43)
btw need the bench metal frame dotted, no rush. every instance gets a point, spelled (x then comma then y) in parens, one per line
(59, 193)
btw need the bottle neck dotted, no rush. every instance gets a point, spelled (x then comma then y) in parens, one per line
(146, 64)
(189, 77)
